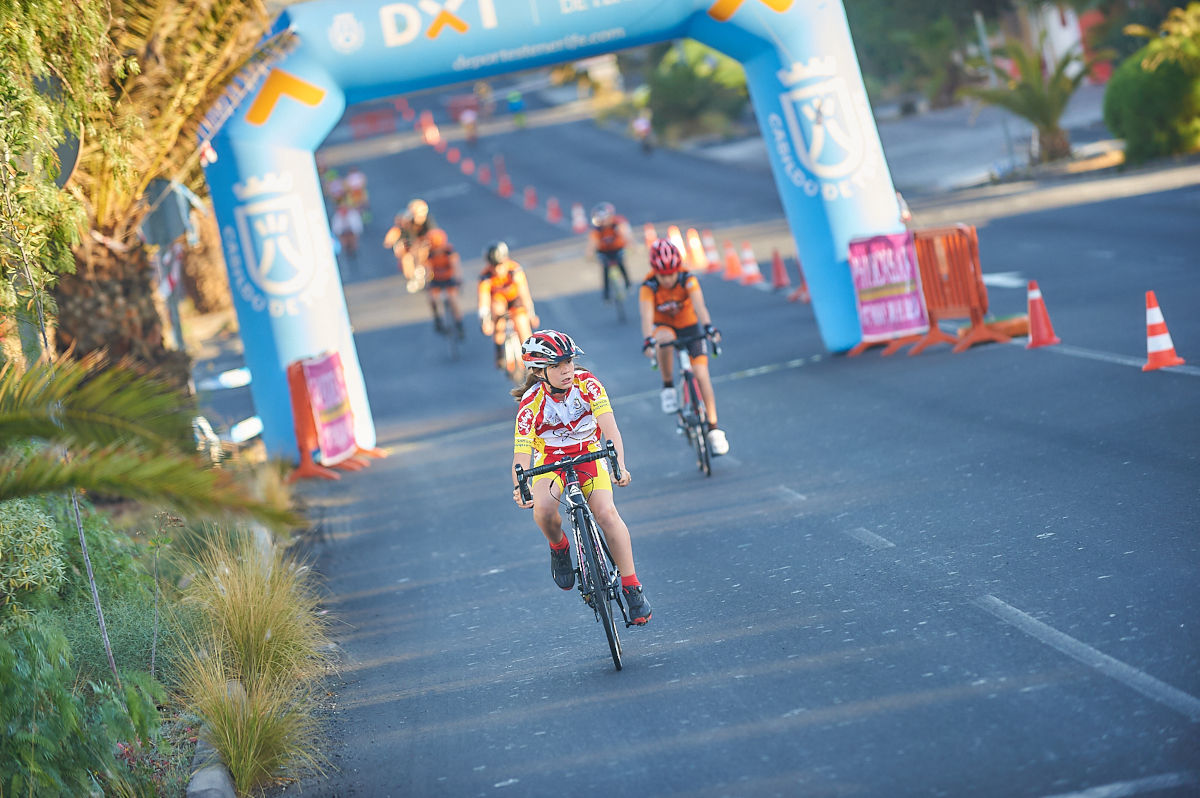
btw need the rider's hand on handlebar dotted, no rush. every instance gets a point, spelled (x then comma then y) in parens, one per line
(520, 502)
(712, 332)
(626, 477)
(648, 346)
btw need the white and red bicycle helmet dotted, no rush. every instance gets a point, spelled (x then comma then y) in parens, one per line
(665, 257)
(547, 347)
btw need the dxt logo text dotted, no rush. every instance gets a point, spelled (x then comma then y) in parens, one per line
(402, 23)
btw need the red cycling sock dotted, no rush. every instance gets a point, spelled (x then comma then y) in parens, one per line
(630, 581)
(562, 545)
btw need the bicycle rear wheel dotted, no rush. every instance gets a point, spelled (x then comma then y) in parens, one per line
(513, 361)
(598, 571)
(617, 285)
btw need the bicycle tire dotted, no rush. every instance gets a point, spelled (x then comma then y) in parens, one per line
(592, 543)
(449, 328)
(700, 424)
(617, 285)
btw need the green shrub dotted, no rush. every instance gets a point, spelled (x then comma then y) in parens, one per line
(31, 555)
(55, 742)
(692, 80)
(1156, 112)
(114, 554)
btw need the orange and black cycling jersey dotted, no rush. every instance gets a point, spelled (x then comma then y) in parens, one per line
(440, 263)
(672, 305)
(608, 237)
(502, 282)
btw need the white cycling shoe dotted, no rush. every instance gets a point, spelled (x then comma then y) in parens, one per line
(717, 442)
(670, 402)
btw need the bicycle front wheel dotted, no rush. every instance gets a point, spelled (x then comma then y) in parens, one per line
(699, 424)
(601, 575)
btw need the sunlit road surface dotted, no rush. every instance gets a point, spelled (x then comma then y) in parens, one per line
(956, 575)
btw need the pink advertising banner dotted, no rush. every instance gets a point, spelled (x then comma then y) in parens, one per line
(330, 403)
(887, 287)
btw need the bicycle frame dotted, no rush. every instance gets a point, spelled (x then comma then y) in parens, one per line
(693, 417)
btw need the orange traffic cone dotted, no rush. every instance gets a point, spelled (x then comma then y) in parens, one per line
(484, 173)
(504, 186)
(467, 166)
(553, 211)
(779, 275)
(1041, 332)
(733, 266)
(530, 198)
(578, 220)
(676, 238)
(649, 234)
(751, 274)
(696, 251)
(710, 251)
(1159, 349)
(453, 155)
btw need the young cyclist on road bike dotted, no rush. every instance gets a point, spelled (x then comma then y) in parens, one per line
(443, 270)
(608, 238)
(672, 306)
(503, 290)
(563, 412)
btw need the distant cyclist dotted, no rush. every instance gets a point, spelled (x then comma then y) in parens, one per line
(442, 262)
(347, 225)
(504, 298)
(672, 306)
(406, 239)
(608, 238)
(356, 191)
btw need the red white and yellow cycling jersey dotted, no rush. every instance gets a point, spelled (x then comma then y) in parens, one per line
(558, 428)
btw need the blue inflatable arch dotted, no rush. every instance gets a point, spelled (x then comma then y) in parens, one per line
(804, 83)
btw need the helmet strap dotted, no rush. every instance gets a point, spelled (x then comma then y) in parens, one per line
(551, 388)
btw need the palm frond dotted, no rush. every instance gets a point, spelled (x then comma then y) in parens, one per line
(93, 402)
(169, 480)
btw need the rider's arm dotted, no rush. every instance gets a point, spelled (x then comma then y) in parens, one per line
(485, 298)
(393, 235)
(526, 297)
(697, 297)
(646, 309)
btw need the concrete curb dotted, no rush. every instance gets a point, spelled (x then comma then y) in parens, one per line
(210, 778)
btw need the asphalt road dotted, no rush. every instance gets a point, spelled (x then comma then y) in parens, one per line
(968, 574)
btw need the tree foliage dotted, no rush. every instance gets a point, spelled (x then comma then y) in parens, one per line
(1038, 95)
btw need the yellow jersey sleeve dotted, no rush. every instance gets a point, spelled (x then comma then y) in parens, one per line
(524, 435)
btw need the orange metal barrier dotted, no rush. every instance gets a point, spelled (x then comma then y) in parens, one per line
(322, 419)
(952, 281)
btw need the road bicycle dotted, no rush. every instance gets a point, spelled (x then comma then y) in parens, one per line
(598, 579)
(616, 282)
(692, 415)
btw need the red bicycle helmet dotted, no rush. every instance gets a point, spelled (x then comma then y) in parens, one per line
(548, 347)
(665, 257)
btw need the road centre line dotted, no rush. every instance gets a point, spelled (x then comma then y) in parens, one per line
(864, 535)
(1106, 357)
(1119, 789)
(1144, 683)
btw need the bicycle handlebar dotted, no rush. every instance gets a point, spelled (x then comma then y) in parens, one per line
(525, 474)
(683, 343)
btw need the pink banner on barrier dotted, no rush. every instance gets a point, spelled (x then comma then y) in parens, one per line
(330, 401)
(887, 287)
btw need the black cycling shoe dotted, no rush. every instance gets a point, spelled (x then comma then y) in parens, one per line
(561, 568)
(636, 605)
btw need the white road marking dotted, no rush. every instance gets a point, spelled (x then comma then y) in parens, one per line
(790, 494)
(1144, 683)
(1106, 357)
(1005, 280)
(1121, 788)
(864, 535)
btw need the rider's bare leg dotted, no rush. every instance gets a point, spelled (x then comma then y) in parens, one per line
(700, 369)
(666, 358)
(615, 531)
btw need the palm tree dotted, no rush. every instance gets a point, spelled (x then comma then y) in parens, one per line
(127, 434)
(168, 63)
(1036, 95)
